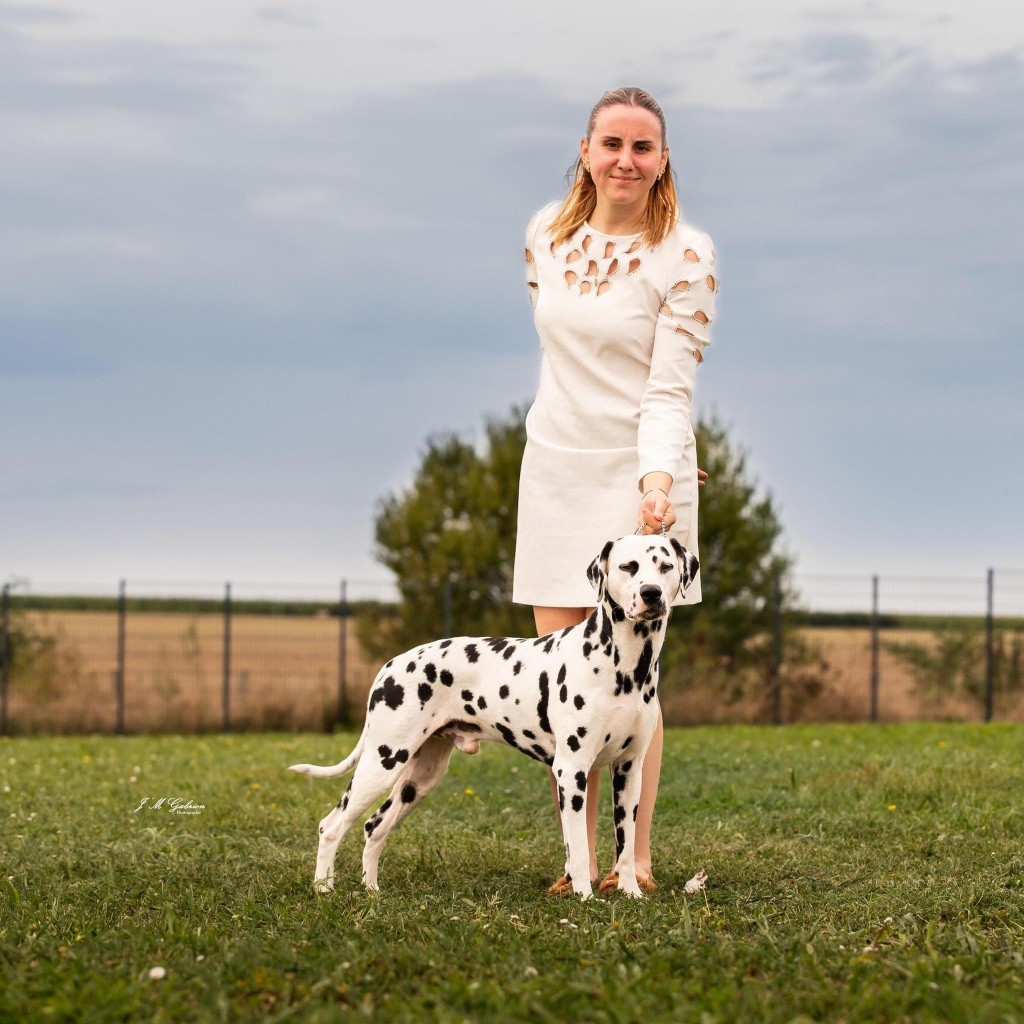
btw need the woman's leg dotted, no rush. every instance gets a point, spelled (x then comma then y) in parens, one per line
(549, 620)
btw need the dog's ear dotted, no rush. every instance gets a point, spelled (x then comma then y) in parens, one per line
(597, 573)
(688, 564)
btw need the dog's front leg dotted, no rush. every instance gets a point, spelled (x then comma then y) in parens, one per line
(572, 807)
(627, 777)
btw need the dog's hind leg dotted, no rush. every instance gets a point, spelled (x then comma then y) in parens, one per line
(374, 775)
(425, 771)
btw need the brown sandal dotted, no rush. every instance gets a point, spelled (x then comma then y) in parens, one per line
(611, 882)
(563, 885)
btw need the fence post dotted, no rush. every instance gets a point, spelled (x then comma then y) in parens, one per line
(777, 653)
(874, 648)
(447, 605)
(989, 665)
(119, 695)
(343, 654)
(226, 681)
(5, 654)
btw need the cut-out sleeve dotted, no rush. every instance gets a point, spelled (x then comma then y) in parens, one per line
(680, 336)
(531, 258)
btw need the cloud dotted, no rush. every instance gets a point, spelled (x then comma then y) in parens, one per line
(342, 283)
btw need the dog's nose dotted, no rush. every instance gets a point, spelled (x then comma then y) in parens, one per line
(650, 593)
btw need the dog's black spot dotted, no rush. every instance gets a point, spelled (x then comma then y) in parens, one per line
(591, 626)
(497, 643)
(586, 649)
(623, 683)
(581, 781)
(579, 701)
(408, 793)
(516, 668)
(640, 629)
(509, 651)
(577, 803)
(636, 807)
(389, 760)
(559, 773)
(620, 813)
(618, 782)
(627, 743)
(581, 732)
(561, 799)
(573, 744)
(529, 735)
(542, 704)
(390, 663)
(469, 709)
(606, 626)
(467, 694)
(481, 703)
(411, 667)
(431, 671)
(542, 754)
(643, 666)
(390, 692)
(506, 734)
(616, 657)
(608, 737)
(503, 692)
(563, 693)
(561, 675)
(620, 841)
(471, 652)
(618, 614)
(425, 692)
(549, 644)
(446, 677)
(568, 629)
(321, 830)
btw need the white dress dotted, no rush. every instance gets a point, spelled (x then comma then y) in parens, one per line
(622, 328)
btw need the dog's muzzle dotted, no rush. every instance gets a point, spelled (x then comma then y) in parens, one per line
(653, 599)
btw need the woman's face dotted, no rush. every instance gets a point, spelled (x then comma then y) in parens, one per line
(625, 154)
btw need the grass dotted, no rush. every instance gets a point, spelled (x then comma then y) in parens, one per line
(857, 873)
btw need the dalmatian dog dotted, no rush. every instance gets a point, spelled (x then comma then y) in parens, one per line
(577, 699)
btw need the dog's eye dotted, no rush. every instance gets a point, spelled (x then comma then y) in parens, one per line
(625, 567)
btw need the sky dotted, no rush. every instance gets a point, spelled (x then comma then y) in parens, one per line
(253, 255)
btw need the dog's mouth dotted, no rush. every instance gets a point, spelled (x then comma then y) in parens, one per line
(654, 611)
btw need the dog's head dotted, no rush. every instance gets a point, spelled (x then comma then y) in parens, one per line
(642, 574)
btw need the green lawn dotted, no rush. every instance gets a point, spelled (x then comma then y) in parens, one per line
(857, 873)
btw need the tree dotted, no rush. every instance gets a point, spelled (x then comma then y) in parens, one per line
(450, 541)
(453, 530)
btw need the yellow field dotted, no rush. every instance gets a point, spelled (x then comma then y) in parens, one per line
(284, 674)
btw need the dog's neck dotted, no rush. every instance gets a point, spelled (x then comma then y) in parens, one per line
(634, 646)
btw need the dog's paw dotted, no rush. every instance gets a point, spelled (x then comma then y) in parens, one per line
(323, 885)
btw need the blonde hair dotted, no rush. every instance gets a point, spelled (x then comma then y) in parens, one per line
(662, 203)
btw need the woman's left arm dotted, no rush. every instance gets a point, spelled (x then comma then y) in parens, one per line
(680, 336)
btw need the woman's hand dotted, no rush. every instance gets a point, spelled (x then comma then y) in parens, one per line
(655, 509)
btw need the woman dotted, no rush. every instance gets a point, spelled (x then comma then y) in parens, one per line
(623, 292)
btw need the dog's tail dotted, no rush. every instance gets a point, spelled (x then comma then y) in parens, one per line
(329, 772)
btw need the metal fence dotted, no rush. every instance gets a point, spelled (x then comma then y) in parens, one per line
(143, 656)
